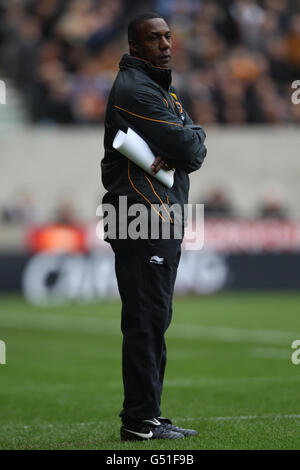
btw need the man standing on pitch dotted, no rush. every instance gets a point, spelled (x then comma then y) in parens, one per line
(143, 99)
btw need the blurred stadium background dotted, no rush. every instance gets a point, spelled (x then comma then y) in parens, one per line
(234, 65)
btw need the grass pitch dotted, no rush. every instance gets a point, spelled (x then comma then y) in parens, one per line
(229, 374)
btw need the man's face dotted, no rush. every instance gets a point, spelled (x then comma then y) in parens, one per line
(153, 43)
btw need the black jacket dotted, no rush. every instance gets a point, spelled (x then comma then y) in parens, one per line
(143, 99)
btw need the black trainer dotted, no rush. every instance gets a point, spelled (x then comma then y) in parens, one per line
(148, 429)
(167, 423)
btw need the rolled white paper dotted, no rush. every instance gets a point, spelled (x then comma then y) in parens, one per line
(138, 151)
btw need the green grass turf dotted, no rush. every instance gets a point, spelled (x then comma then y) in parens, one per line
(229, 374)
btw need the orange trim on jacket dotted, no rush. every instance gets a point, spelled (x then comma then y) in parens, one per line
(148, 119)
(142, 193)
(158, 197)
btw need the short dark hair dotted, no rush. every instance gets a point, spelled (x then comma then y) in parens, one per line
(134, 24)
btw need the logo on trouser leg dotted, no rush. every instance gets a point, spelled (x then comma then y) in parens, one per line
(157, 260)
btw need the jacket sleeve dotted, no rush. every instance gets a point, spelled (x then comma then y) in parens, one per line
(197, 162)
(148, 113)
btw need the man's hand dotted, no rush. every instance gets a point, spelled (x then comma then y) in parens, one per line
(158, 164)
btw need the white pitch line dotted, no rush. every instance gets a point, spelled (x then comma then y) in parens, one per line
(229, 334)
(202, 382)
(208, 381)
(56, 322)
(240, 418)
(95, 325)
(227, 380)
(272, 353)
(179, 419)
(52, 425)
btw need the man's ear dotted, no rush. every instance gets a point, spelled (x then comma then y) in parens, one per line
(133, 47)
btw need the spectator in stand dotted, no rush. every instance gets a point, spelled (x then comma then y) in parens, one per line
(217, 205)
(234, 61)
(250, 19)
(272, 205)
(66, 213)
(293, 46)
(19, 211)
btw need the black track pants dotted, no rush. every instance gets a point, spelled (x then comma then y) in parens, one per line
(146, 273)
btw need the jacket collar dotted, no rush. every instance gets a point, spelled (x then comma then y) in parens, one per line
(162, 76)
